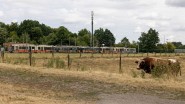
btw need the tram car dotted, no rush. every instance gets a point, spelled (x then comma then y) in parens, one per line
(24, 48)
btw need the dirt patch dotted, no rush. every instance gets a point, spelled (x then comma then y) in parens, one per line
(133, 98)
(33, 85)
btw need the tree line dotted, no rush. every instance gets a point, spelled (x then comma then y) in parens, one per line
(149, 42)
(31, 31)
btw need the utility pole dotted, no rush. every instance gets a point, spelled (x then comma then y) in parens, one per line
(138, 48)
(92, 37)
(92, 14)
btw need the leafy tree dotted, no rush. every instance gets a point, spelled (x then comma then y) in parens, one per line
(169, 47)
(3, 35)
(25, 38)
(36, 34)
(13, 27)
(50, 39)
(62, 35)
(27, 25)
(104, 37)
(13, 37)
(125, 42)
(84, 37)
(2, 25)
(99, 35)
(148, 40)
(178, 45)
(46, 30)
(109, 37)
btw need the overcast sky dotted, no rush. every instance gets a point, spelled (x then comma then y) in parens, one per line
(125, 18)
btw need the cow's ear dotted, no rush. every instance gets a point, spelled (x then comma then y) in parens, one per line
(136, 61)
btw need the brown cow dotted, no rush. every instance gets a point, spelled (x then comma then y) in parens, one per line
(148, 63)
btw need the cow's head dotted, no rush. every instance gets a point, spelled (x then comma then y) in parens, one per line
(140, 64)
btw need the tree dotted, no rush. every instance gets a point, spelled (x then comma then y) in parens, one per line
(46, 30)
(3, 35)
(27, 25)
(125, 42)
(13, 37)
(50, 39)
(169, 47)
(36, 35)
(104, 37)
(178, 45)
(63, 35)
(2, 25)
(148, 41)
(13, 27)
(84, 37)
(25, 38)
(110, 39)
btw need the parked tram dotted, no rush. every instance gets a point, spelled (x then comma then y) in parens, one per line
(25, 47)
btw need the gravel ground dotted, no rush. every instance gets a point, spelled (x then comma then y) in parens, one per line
(131, 98)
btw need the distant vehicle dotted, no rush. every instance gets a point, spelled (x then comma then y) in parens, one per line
(24, 48)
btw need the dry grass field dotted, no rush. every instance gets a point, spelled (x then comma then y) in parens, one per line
(83, 81)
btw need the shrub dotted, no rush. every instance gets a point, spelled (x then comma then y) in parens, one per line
(59, 63)
(33, 61)
(159, 70)
(50, 63)
(142, 74)
(55, 63)
(170, 70)
(134, 74)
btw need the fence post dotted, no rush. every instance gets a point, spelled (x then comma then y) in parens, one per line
(112, 52)
(68, 61)
(120, 70)
(2, 54)
(30, 55)
(102, 54)
(92, 55)
(80, 54)
(52, 52)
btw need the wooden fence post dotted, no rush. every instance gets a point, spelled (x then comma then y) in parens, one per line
(92, 55)
(52, 52)
(102, 54)
(120, 69)
(112, 52)
(2, 54)
(80, 53)
(68, 61)
(30, 55)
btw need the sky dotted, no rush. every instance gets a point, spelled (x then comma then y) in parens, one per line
(124, 18)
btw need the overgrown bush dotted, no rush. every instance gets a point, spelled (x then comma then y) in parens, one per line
(168, 70)
(19, 61)
(50, 63)
(59, 63)
(134, 74)
(55, 63)
(142, 74)
(33, 61)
